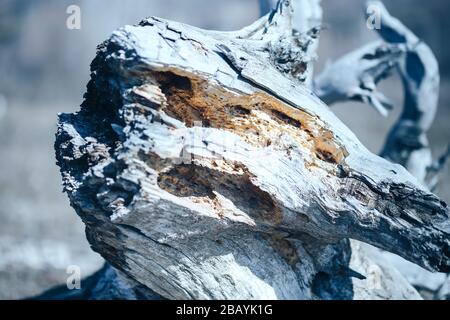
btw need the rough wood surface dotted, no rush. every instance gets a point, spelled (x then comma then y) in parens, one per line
(204, 168)
(306, 26)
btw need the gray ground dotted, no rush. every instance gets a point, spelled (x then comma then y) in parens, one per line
(40, 235)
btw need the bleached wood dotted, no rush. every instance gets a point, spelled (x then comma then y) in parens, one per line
(204, 168)
(306, 26)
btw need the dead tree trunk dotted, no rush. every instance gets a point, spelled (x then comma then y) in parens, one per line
(204, 168)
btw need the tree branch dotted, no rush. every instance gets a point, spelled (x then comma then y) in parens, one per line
(407, 143)
(355, 76)
(306, 26)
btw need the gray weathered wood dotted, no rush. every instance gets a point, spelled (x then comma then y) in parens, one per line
(204, 168)
(306, 25)
(355, 76)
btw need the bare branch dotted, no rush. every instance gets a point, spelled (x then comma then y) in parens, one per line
(306, 25)
(407, 143)
(355, 76)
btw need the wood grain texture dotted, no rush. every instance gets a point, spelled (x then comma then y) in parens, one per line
(204, 168)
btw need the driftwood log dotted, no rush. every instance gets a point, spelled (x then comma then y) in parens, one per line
(205, 168)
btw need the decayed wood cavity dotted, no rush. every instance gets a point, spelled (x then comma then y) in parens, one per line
(213, 188)
(260, 119)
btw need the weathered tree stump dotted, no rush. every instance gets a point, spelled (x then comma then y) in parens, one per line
(205, 168)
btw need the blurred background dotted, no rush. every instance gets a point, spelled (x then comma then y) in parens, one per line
(44, 68)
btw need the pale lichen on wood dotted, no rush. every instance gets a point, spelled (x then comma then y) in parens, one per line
(204, 168)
